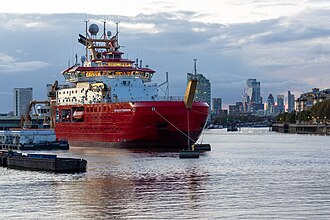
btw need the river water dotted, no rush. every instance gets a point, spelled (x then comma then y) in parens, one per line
(252, 174)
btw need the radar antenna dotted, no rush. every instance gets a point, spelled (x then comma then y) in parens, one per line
(195, 67)
(104, 34)
(117, 33)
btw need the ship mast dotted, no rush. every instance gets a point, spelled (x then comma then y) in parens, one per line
(195, 68)
(86, 52)
(104, 35)
(117, 33)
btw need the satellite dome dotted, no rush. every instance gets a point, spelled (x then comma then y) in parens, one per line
(93, 29)
(83, 58)
(109, 33)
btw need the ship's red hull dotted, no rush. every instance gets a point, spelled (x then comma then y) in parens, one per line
(139, 124)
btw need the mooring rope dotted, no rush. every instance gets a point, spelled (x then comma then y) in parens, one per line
(154, 109)
(202, 135)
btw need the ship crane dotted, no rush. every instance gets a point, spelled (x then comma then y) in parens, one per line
(26, 119)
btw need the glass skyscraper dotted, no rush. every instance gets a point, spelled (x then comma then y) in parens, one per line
(291, 102)
(252, 100)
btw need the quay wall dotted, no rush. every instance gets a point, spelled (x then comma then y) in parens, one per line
(322, 129)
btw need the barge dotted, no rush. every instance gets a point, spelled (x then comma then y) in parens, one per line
(31, 139)
(45, 162)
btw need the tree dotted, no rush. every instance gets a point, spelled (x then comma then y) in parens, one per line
(321, 110)
(281, 117)
(291, 117)
(326, 110)
(304, 115)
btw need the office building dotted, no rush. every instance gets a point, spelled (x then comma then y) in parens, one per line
(223, 112)
(290, 102)
(280, 104)
(270, 104)
(252, 100)
(22, 98)
(253, 90)
(240, 107)
(216, 106)
(233, 110)
(246, 101)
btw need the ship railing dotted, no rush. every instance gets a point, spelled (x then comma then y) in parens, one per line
(151, 99)
(151, 84)
(171, 98)
(136, 99)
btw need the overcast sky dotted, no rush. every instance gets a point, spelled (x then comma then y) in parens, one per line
(283, 44)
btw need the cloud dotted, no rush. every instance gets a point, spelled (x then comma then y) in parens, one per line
(9, 64)
(5, 93)
(283, 53)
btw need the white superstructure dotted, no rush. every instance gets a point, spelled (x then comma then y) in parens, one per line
(108, 89)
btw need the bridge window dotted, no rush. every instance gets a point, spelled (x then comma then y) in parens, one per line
(66, 115)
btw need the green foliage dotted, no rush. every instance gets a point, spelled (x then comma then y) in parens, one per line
(291, 117)
(321, 110)
(281, 117)
(286, 117)
(304, 116)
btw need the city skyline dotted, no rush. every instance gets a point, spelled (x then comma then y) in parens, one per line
(207, 98)
(285, 46)
(251, 96)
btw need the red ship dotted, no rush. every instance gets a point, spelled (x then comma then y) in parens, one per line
(112, 101)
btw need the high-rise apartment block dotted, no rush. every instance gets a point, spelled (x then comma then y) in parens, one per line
(22, 98)
(308, 99)
(203, 88)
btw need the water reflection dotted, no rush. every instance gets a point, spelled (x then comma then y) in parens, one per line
(250, 174)
(123, 182)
